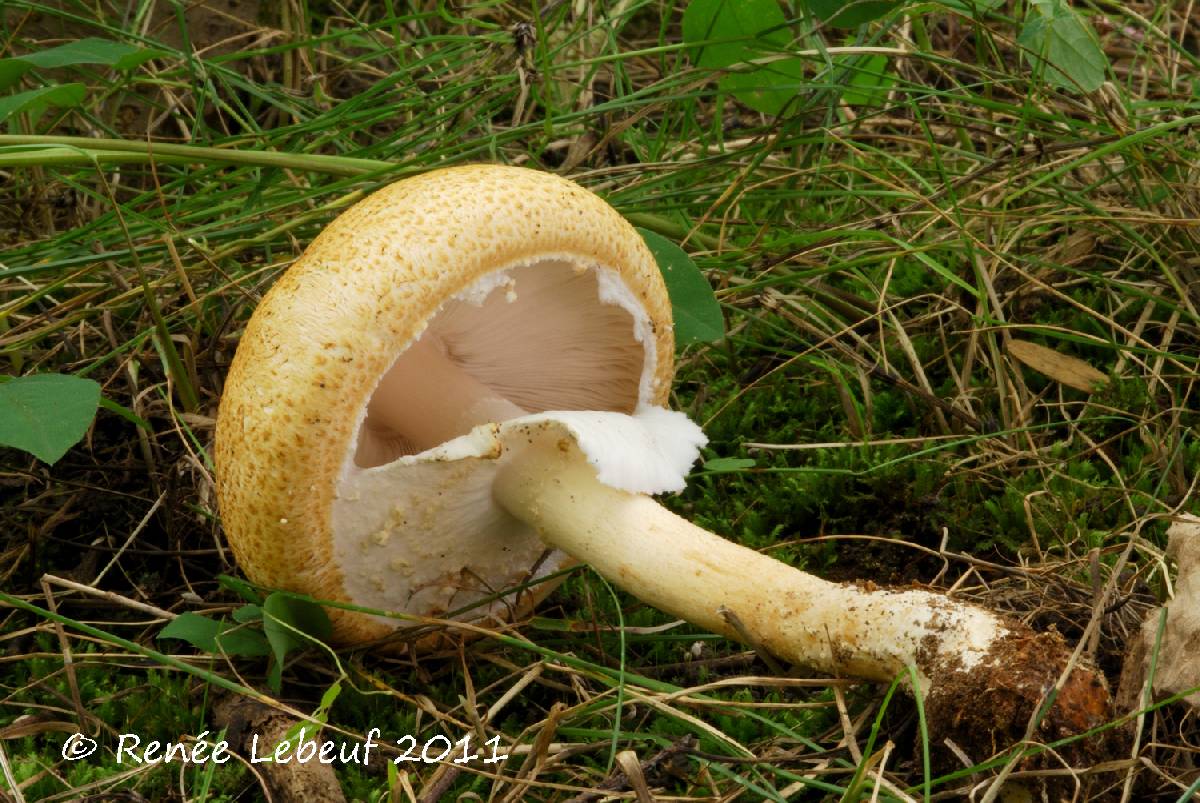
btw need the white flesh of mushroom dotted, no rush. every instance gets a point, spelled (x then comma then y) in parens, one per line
(456, 427)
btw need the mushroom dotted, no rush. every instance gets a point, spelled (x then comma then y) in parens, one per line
(457, 390)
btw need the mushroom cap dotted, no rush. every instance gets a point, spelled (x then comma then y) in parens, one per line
(293, 412)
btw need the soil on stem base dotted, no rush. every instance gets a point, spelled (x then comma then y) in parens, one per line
(987, 709)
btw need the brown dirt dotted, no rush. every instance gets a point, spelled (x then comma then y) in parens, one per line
(988, 708)
(214, 27)
(293, 782)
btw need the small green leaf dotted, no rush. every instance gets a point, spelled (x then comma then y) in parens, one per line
(199, 631)
(695, 309)
(104, 52)
(850, 13)
(328, 698)
(734, 32)
(46, 414)
(241, 640)
(212, 636)
(1064, 45)
(722, 464)
(36, 100)
(290, 623)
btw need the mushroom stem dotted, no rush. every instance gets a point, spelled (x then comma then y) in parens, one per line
(968, 660)
(726, 588)
(982, 678)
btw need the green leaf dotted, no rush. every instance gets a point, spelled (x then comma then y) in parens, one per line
(850, 13)
(242, 640)
(296, 621)
(1065, 46)
(211, 636)
(104, 52)
(46, 414)
(290, 623)
(734, 32)
(722, 464)
(117, 55)
(35, 100)
(697, 314)
(199, 631)
(869, 80)
(328, 698)
(766, 89)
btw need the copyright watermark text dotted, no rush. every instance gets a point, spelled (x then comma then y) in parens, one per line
(133, 749)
